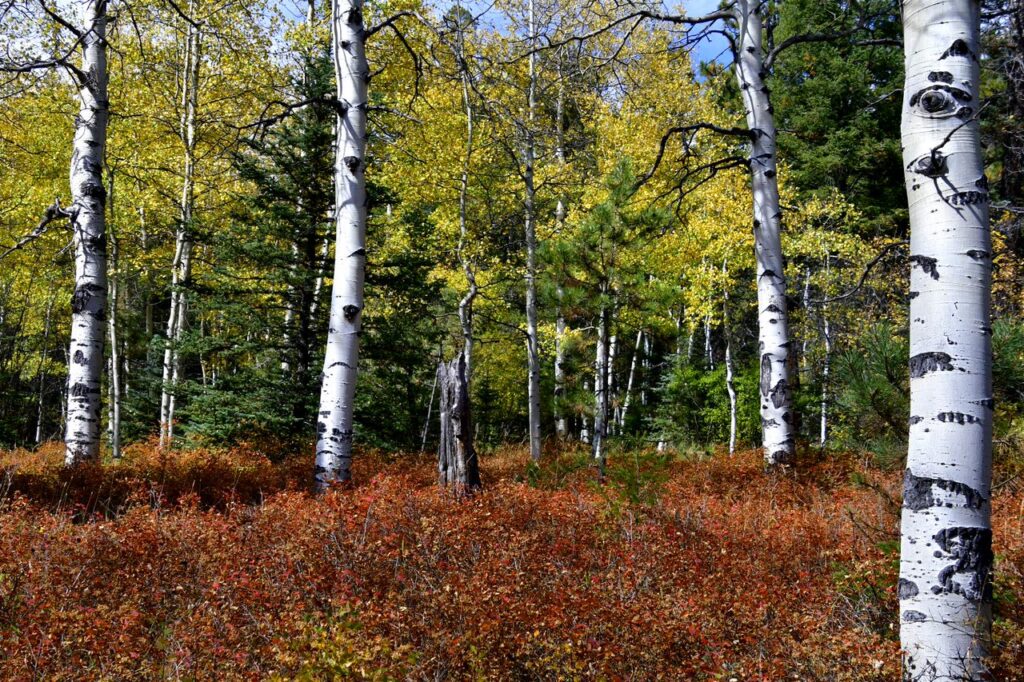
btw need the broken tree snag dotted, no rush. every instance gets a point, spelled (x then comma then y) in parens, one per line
(338, 388)
(88, 222)
(457, 465)
(772, 323)
(946, 537)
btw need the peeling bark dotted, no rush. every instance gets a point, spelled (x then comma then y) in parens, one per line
(88, 222)
(335, 419)
(946, 543)
(457, 464)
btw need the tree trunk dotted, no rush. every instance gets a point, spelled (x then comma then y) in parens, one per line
(114, 416)
(181, 269)
(337, 393)
(631, 379)
(88, 222)
(41, 372)
(946, 536)
(730, 386)
(709, 357)
(457, 464)
(773, 330)
(601, 387)
(532, 345)
(462, 425)
(561, 425)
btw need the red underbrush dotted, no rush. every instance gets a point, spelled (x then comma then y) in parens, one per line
(221, 565)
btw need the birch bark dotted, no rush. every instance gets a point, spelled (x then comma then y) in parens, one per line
(946, 537)
(88, 222)
(337, 393)
(773, 329)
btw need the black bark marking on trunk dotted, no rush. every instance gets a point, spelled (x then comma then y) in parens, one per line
(919, 492)
(765, 423)
(968, 198)
(772, 308)
(357, 252)
(94, 191)
(989, 403)
(959, 48)
(914, 419)
(931, 165)
(352, 163)
(906, 589)
(958, 417)
(914, 294)
(923, 363)
(782, 456)
(779, 393)
(94, 245)
(84, 293)
(355, 16)
(968, 575)
(940, 77)
(914, 617)
(80, 390)
(340, 364)
(350, 311)
(977, 254)
(766, 374)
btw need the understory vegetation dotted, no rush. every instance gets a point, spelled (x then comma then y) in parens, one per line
(220, 565)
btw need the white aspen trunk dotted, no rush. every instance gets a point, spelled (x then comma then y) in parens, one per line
(709, 357)
(773, 331)
(645, 367)
(823, 434)
(430, 410)
(88, 222)
(181, 267)
(532, 344)
(611, 388)
(41, 372)
(337, 393)
(114, 416)
(561, 424)
(730, 386)
(632, 378)
(946, 535)
(584, 423)
(805, 343)
(826, 364)
(601, 362)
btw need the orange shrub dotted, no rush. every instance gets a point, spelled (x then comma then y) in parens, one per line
(239, 573)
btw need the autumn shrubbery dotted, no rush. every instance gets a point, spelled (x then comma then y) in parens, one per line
(219, 565)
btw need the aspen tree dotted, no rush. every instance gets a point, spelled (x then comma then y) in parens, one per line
(337, 393)
(946, 538)
(88, 223)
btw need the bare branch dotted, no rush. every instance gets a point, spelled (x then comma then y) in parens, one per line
(51, 214)
(864, 275)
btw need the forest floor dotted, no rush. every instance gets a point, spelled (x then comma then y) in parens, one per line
(219, 565)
